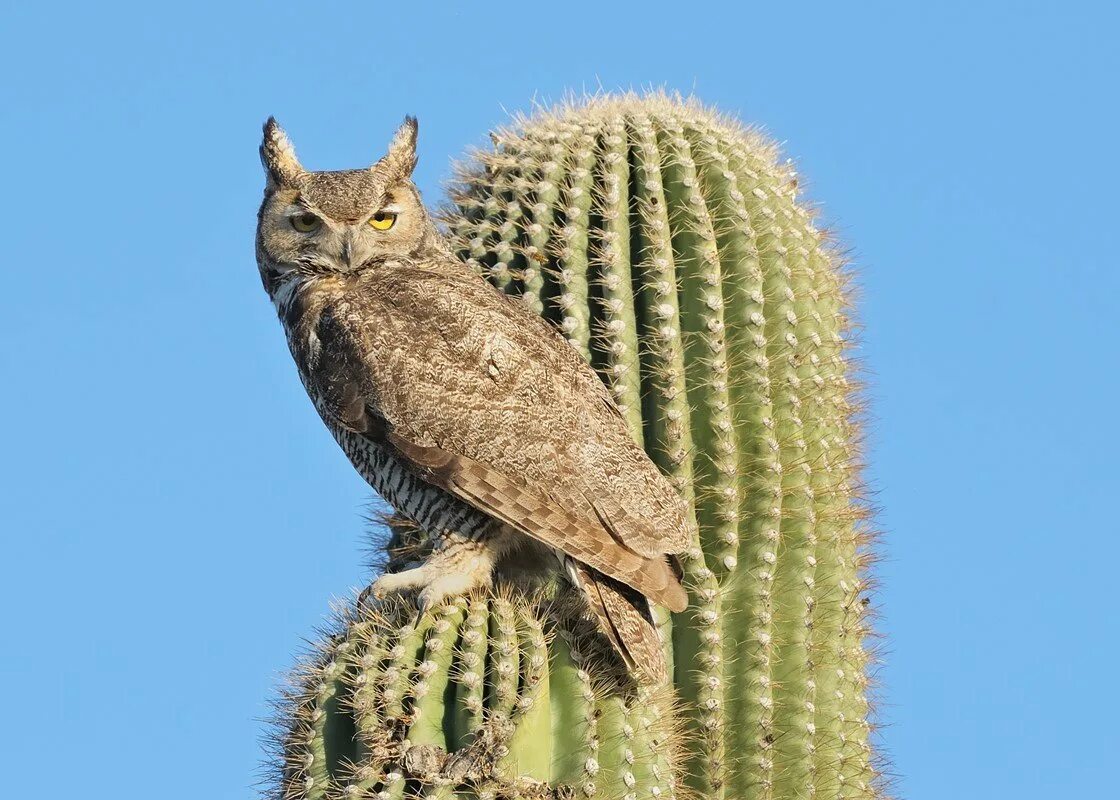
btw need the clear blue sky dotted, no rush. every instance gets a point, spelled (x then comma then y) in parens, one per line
(175, 518)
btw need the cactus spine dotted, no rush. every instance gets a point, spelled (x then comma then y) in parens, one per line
(667, 242)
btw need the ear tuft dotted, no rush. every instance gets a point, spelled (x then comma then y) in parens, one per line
(401, 159)
(279, 157)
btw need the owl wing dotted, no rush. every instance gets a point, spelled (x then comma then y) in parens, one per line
(446, 414)
(623, 616)
(540, 517)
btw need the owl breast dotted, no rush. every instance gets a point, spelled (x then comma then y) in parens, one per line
(434, 510)
(428, 506)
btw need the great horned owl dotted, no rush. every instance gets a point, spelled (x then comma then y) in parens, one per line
(464, 410)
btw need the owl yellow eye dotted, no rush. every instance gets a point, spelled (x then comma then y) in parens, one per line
(382, 220)
(306, 222)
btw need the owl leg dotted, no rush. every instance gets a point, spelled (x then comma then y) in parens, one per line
(457, 565)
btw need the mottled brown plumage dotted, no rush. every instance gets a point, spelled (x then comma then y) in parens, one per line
(466, 411)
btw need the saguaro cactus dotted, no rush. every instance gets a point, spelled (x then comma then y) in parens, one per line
(668, 244)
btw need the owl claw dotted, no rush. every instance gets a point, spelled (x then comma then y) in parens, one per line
(451, 571)
(434, 589)
(399, 582)
(444, 587)
(425, 602)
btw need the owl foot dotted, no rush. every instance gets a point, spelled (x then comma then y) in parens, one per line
(456, 568)
(434, 587)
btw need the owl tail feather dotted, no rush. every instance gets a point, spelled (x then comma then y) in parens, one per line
(623, 616)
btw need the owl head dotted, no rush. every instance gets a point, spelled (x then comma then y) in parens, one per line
(322, 223)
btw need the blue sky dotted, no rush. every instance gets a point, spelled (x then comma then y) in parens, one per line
(175, 518)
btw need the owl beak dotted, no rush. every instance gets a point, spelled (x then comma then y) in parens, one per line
(349, 250)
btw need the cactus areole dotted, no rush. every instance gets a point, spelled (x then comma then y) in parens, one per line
(667, 242)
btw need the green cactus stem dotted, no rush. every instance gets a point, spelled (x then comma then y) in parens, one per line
(472, 696)
(667, 242)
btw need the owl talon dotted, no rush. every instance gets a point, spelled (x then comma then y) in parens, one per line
(439, 590)
(424, 602)
(433, 590)
(399, 582)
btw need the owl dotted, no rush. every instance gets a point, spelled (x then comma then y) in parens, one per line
(468, 413)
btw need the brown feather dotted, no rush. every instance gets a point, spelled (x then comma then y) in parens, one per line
(539, 517)
(449, 360)
(623, 616)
